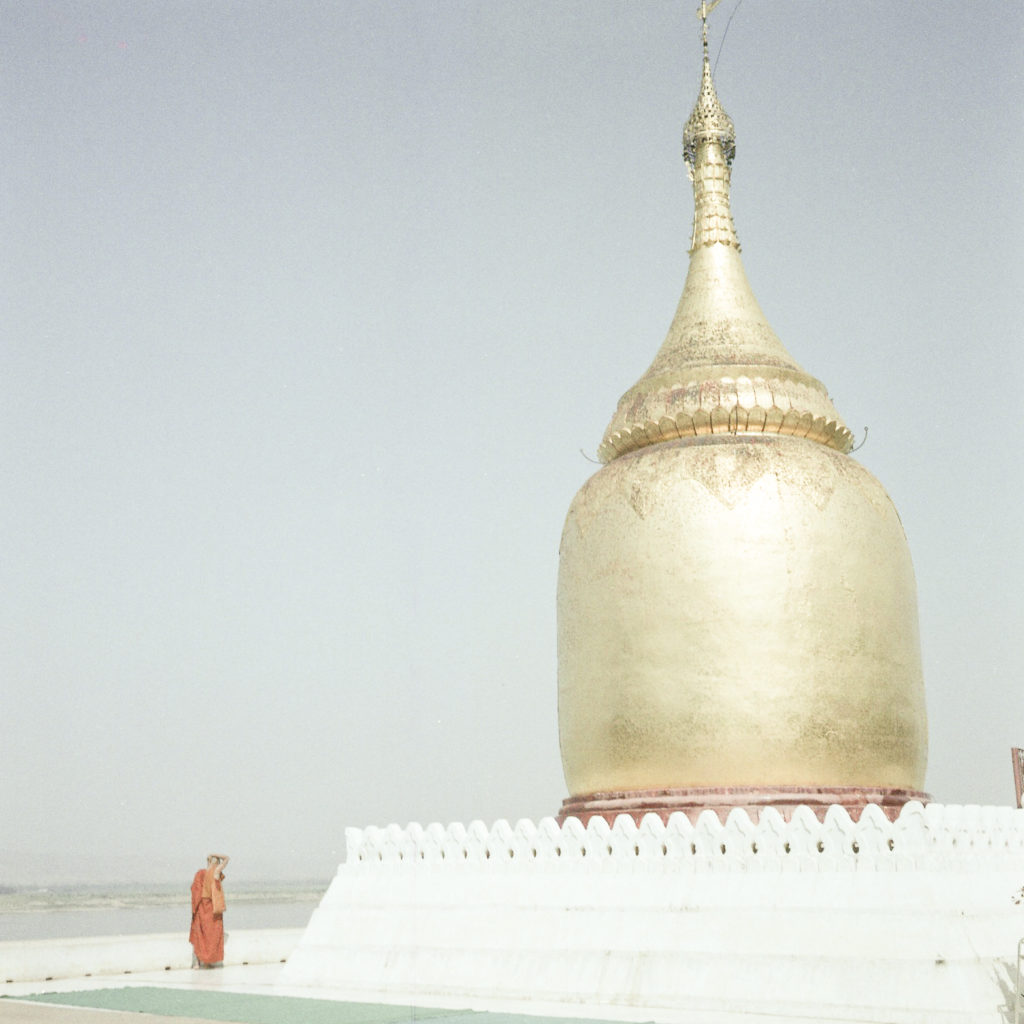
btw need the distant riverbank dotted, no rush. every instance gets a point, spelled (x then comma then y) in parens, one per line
(37, 912)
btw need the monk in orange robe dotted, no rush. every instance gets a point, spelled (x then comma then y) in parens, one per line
(207, 932)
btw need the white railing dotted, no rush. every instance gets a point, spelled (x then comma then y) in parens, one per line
(921, 838)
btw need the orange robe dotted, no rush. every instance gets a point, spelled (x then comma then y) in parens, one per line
(207, 932)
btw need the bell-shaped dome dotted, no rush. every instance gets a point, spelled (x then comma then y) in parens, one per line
(737, 613)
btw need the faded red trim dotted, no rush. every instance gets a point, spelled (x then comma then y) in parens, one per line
(721, 800)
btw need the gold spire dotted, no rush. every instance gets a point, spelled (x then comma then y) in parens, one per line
(708, 165)
(721, 369)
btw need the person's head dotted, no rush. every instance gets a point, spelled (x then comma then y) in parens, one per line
(211, 859)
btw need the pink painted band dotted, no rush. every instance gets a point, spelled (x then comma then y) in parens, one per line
(721, 800)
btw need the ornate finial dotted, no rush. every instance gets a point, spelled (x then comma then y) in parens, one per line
(702, 12)
(721, 369)
(709, 122)
(709, 145)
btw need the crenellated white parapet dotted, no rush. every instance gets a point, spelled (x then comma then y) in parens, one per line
(682, 922)
(923, 838)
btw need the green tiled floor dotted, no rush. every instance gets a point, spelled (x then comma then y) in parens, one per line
(261, 1009)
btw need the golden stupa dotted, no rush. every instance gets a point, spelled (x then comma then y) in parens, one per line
(737, 612)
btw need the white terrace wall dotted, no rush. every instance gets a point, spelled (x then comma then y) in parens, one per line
(50, 959)
(873, 920)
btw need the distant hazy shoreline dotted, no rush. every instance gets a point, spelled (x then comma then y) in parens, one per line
(72, 911)
(36, 898)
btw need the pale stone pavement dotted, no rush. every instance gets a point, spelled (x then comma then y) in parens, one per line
(39, 1013)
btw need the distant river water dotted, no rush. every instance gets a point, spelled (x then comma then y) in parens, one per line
(76, 912)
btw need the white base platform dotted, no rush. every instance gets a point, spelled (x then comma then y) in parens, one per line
(906, 921)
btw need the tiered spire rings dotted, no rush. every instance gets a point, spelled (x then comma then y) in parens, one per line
(721, 369)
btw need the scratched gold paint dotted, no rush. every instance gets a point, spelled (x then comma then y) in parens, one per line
(736, 600)
(737, 613)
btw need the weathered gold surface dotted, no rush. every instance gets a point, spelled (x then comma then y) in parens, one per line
(737, 612)
(721, 368)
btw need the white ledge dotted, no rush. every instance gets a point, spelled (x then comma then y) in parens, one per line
(53, 959)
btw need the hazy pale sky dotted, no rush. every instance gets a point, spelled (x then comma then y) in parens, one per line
(308, 310)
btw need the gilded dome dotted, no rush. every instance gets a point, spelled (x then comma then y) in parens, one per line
(737, 611)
